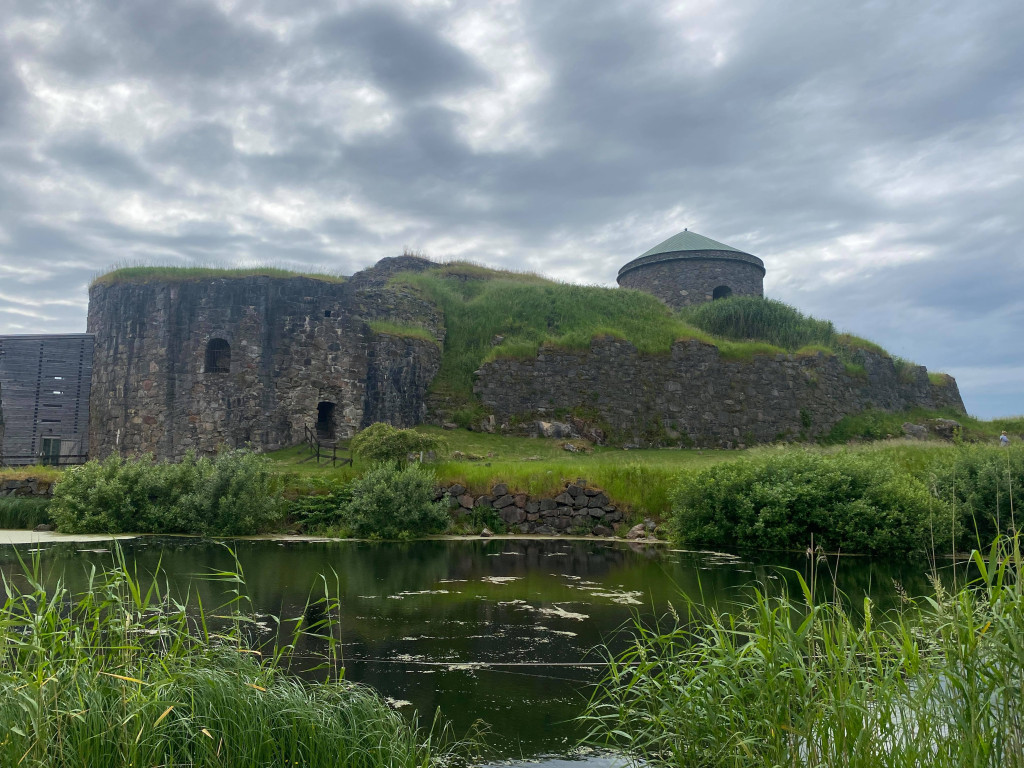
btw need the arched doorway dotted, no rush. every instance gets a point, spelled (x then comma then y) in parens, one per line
(325, 421)
(721, 292)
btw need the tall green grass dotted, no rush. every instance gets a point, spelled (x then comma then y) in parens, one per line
(21, 512)
(767, 320)
(138, 273)
(126, 674)
(788, 681)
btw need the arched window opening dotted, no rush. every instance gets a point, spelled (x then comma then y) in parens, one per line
(325, 421)
(721, 292)
(218, 356)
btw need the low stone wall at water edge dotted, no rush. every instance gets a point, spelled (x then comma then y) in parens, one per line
(577, 509)
(30, 486)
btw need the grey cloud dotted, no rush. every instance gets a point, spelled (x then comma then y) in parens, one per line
(99, 160)
(775, 147)
(407, 59)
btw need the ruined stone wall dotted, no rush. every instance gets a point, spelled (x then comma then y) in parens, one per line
(682, 281)
(692, 396)
(295, 343)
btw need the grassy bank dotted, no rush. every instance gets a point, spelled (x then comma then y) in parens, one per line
(784, 680)
(124, 674)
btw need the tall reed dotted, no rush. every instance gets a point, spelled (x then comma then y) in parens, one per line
(795, 682)
(126, 674)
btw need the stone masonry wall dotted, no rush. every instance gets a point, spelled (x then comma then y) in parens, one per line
(692, 396)
(682, 282)
(295, 343)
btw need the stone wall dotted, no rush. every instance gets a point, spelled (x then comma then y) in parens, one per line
(692, 396)
(294, 343)
(680, 281)
(577, 509)
(28, 487)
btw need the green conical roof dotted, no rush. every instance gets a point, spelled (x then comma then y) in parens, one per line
(688, 241)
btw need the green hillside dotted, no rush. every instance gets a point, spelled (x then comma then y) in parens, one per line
(492, 314)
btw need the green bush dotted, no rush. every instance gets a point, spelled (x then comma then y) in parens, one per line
(382, 442)
(232, 494)
(322, 512)
(855, 503)
(392, 503)
(985, 486)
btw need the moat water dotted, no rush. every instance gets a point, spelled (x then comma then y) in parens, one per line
(501, 631)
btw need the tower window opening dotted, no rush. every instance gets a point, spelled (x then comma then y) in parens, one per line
(721, 292)
(218, 356)
(327, 313)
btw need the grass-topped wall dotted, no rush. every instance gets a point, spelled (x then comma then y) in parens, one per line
(492, 315)
(139, 274)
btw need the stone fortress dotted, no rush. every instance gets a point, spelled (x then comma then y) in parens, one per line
(183, 364)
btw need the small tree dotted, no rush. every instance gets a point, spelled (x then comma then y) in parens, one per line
(382, 442)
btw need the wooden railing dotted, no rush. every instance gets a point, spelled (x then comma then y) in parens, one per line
(323, 450)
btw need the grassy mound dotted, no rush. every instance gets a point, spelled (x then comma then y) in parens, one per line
(491, 314)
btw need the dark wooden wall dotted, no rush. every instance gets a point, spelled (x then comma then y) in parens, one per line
(44, 393)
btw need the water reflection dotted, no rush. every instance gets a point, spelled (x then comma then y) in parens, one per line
(497, 630)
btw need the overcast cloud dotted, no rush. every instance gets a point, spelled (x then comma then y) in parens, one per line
(871, 153)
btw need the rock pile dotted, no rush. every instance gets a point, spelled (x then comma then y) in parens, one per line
(30, 486)
(577, 509)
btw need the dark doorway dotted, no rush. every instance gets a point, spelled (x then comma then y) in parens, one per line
(721, 292)
(325, 421)
(218, 356)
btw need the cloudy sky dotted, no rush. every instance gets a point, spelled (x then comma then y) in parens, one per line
(871, 153)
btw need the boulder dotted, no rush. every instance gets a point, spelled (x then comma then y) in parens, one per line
(555, 429)
(520, 500)
(564, 499)
(513, 515)
(580, 502)
(499, 490)
(596, 513)
(505, 501)
(42, 528)
(486, 532)
(466, 500)
(574, 490)
(456, 490)
(546, 505)
(915, 431)
(483, 501)
(600, 500)
(947, 429)
(638, 531)
(602, 530)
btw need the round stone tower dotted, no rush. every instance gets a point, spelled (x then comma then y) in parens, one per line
(691, 269)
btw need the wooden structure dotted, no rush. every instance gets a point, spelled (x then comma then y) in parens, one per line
(44, 398)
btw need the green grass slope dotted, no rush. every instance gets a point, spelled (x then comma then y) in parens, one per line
(491, 314)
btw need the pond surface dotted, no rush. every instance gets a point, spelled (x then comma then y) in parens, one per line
(498, 630)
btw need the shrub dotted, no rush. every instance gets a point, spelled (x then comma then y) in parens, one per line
(382, 442)
(392, 503)
(984, 483)
(232, 494)
(848, 502)
(320, 513)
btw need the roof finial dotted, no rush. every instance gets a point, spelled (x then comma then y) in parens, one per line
(686, 229)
